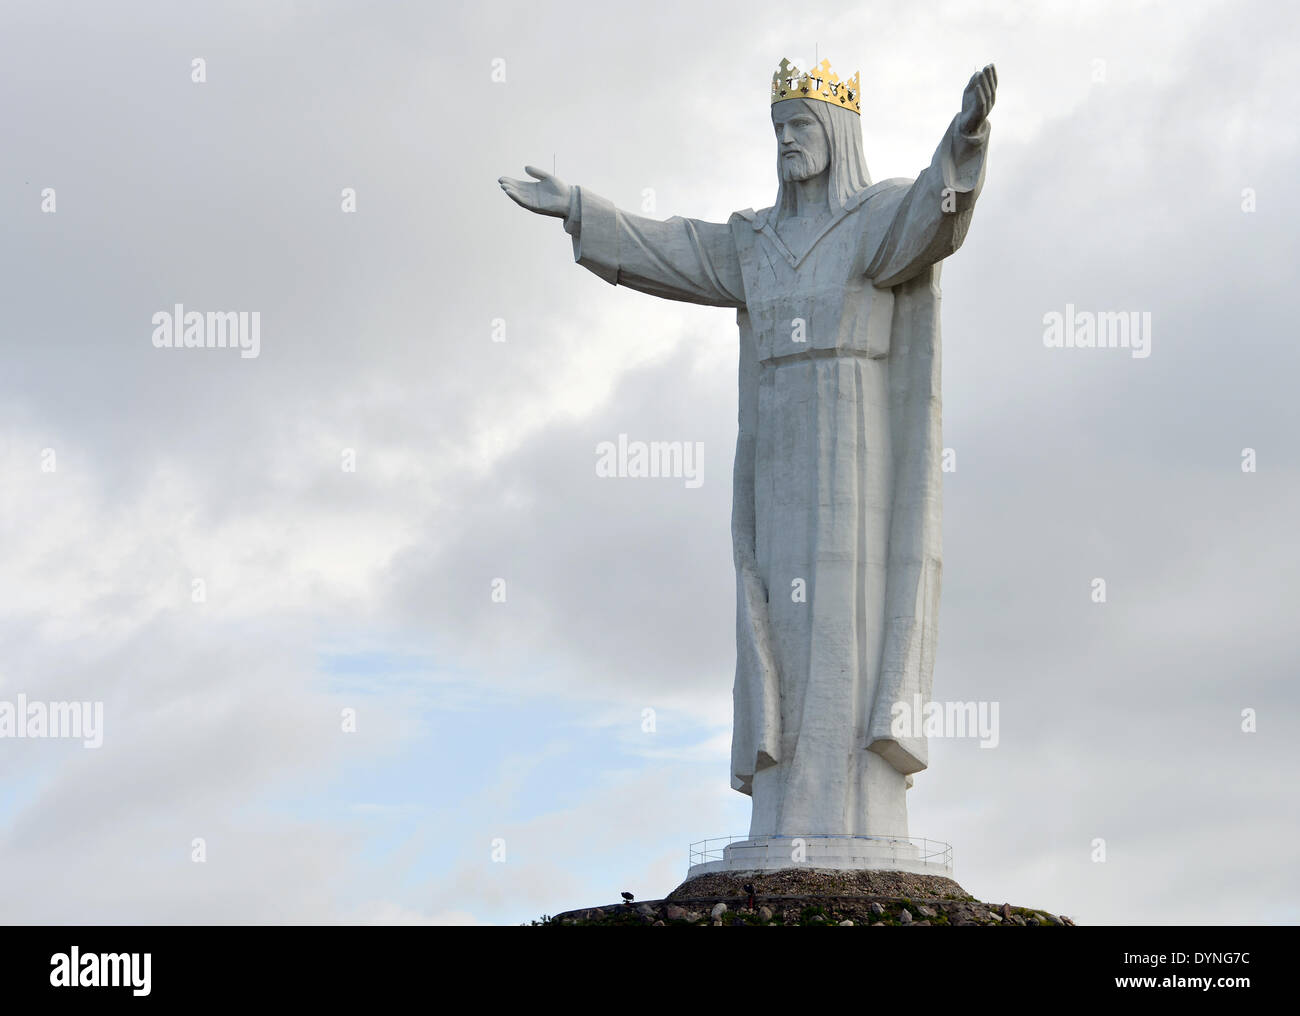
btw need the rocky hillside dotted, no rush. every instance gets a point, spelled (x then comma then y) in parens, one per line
(809, 897)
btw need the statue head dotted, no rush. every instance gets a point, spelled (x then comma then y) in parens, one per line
(803, 148)
(812, 138)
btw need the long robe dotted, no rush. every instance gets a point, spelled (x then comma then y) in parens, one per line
(837, 483)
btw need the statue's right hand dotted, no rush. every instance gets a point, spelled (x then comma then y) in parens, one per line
(549, 195)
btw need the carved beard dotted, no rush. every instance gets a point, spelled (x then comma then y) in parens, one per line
(801, 166)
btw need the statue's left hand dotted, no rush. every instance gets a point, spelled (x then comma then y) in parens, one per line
(977, 100)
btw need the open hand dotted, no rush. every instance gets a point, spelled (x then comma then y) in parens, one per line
(977, 100)
(549, 195)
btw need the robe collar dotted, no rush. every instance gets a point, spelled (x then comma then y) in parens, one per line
(764, 223)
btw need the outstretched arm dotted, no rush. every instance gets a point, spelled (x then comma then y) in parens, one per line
(678, 259)
(928, 220)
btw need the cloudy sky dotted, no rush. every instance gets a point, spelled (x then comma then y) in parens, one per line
(1143, 158)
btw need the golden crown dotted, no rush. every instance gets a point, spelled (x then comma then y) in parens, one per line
(789, 82)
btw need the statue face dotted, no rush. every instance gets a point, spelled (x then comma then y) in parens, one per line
(803, 149)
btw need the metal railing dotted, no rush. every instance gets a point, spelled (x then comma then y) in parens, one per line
(928, 851)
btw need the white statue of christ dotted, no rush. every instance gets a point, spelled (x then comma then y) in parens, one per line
(837, 483)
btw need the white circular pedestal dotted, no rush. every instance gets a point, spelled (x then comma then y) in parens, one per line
(832, 853)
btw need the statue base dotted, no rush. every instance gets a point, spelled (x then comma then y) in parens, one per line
(824, 853)
(803, 896)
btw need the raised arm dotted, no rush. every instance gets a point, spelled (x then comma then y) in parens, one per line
(678, 259)
(923, 223)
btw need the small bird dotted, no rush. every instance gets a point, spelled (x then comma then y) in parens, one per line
(627, 898)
